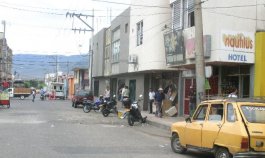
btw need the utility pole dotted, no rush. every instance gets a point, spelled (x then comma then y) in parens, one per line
(199, 52)
(91, 29)
(57, 68)
(4, 51)
(91, 55)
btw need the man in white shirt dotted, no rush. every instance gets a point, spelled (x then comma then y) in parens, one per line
(233, 94)
(151, 100)
(107, 93)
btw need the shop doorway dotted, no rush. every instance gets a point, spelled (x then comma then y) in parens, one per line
(189, 82)
(239, 82)
(132, 88)
(113, 87)
(237, 77)
(96, 88)
(245, 86)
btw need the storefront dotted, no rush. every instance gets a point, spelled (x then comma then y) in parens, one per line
(231, 66)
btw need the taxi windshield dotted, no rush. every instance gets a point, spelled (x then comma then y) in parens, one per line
(254, 114)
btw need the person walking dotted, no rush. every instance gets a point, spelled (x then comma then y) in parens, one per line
(125, 92)
(159, 97)
(33, 95)
(126, 101)
(107, 93)
(151, 100)
(5, 84)
(192, 101)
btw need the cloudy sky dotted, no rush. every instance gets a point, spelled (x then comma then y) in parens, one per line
(41, 26)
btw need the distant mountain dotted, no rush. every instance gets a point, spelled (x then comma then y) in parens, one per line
(30, 66)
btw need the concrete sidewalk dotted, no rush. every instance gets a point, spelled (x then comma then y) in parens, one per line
(165, 122)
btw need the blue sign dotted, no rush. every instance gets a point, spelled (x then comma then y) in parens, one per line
(236, 57)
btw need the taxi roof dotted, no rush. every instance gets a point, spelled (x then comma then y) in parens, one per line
(220, 99)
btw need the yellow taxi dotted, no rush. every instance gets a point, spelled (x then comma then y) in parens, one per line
(226, 127)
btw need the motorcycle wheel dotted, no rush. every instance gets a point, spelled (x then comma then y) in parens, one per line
(130, 120)
(86, 108)
(105, 113)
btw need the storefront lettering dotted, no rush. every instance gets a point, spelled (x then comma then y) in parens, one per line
(237, 41)
(235, 57)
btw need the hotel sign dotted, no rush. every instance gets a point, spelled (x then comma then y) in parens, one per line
(238, 41)
(238, 46)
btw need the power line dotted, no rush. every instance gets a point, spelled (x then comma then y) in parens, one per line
(62, 14)
(226, 14)
(137, 5)
(37, 26)
(35, 7)
(27, 10)
(63, 9)
(237, 6)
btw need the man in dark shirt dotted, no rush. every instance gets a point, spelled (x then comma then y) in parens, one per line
(192, 96)
(159, 97)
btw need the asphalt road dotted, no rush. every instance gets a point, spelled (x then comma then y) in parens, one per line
(53, 129)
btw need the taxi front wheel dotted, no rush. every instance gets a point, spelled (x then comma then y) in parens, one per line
(176, 146)
(222, 153)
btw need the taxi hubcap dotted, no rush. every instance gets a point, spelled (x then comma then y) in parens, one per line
(177, 144)
(223, 155)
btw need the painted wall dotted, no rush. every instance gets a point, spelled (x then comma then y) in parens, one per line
(234, 21)
(98, 54)
(151, 54)
(120, 22)
(259, 84)
(71, 89)
(102, 86)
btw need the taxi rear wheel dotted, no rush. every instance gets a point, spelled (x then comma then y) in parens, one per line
(222, 153)
(176, 146)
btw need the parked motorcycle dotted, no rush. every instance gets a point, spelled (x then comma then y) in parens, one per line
(42, 97)
(134, 113)
(89, 105)
(109, 107)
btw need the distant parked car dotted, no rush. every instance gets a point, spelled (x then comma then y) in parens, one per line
(79, 97)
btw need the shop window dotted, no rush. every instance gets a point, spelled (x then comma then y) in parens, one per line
(231, 117)
(191, 21)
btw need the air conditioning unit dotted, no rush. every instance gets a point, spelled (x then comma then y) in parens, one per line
(132, 59)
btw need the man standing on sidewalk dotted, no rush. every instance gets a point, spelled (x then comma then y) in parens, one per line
(33, 95)
(5, 84)
(159, 97)
(151, 100)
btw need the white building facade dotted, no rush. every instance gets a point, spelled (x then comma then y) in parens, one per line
(229, 29)
(153, 45)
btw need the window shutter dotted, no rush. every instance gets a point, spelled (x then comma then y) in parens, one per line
(177, 15)
(191, 4)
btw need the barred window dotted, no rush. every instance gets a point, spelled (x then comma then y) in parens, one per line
(116, 45)
(139, 33)
(177, 14)
(183, 14)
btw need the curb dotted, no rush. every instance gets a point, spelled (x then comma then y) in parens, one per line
(157, 124)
